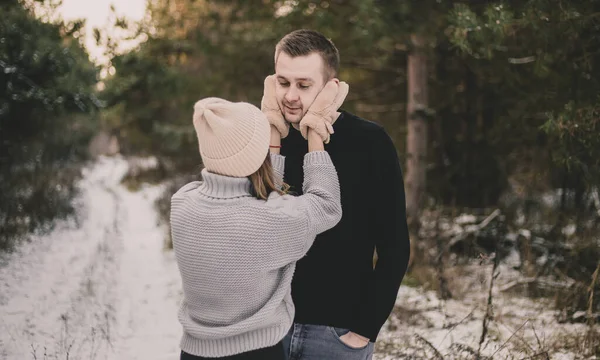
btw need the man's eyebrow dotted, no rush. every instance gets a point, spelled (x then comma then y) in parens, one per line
(297, 79)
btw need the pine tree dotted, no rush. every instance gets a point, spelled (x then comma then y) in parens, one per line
(46, 98)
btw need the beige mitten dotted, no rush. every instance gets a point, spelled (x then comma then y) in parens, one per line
(320, 115)
(343, 89)
(270, 107)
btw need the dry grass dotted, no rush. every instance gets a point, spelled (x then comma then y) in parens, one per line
(508, 335)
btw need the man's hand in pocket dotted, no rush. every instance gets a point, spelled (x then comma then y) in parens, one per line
(354, 340)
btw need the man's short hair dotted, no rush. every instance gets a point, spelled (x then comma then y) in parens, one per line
(304, 42)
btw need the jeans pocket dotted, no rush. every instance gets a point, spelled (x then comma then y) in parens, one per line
(339, 332)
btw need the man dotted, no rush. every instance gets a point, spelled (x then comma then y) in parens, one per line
(342, 300)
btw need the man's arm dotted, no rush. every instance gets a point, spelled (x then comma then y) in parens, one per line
(390, 231)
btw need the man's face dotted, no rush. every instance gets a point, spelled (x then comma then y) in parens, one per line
(299, 81)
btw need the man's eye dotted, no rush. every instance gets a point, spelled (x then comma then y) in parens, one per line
(284, 84)
(303, 86)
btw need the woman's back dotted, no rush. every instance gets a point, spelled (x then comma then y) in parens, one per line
(234, 252)
(237, 254)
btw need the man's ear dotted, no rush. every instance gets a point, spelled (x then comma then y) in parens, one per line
(337, 81)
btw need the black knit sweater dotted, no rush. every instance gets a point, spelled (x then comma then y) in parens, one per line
(336, 284)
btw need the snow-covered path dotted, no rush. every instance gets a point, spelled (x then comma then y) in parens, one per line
(100, 289)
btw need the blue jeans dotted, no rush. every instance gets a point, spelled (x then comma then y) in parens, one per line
(318, 342)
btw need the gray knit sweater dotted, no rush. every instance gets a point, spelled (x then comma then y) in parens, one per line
(237, 255)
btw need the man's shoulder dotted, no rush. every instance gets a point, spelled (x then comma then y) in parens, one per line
(362, 126)
(356, 121)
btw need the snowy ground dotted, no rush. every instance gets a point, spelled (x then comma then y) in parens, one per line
(424, 327)
(100, 289)
(104, 288)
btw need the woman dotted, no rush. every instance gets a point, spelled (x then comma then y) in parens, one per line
(237, 235)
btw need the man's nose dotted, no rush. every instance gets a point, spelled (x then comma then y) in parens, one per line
(291, 95)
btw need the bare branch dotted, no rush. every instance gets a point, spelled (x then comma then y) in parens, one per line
(489, 312)
(458, 323)
(511, 336)
(33, 351)
(474, 228)
(536, 355)
(438, 355)
(523, 60)
(546, 283)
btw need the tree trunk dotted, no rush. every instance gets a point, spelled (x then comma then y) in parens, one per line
(416, 149)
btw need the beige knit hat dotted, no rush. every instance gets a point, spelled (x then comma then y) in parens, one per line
(233, 137)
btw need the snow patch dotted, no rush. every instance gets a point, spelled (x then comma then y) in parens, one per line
(99, 287)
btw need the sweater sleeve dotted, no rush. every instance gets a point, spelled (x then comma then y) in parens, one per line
(278, 162)
(390, 231)
(317, 210)
(321, 193)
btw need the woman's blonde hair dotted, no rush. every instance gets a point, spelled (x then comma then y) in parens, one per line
(263, 181)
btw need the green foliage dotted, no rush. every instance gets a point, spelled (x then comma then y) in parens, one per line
(576, 131)
(547, 55)
(150, 103)
(46, 79)
(479, 35)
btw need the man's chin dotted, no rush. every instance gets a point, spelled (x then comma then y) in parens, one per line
(293, 119)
